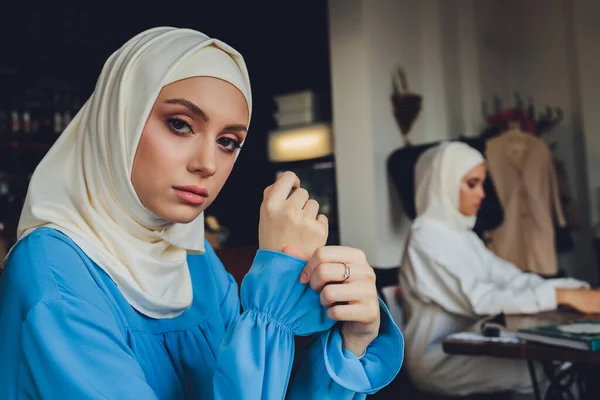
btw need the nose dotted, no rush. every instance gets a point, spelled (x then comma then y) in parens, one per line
(204, 159)
(481, 192)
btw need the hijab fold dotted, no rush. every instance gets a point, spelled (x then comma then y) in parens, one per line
(83, 186)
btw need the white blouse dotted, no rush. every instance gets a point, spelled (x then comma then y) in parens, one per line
(449, 280)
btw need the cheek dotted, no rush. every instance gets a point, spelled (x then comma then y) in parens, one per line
(153, 146)
(466, 196)
(156, 157)
(225, 165)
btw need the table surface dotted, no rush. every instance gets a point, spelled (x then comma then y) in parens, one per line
(526, 350)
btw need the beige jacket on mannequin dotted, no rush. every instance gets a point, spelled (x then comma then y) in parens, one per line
(522, 168)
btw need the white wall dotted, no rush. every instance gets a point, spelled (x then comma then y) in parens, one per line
(363, 124)
(368, 40)
(586, 28)
(585, 58)
(352, 92)
(531, 48)
(469, 65)
(456, 54)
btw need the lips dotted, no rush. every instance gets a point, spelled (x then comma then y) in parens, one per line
(193, 189)
(193, 195)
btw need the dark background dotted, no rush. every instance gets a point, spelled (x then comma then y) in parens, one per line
(285, 46)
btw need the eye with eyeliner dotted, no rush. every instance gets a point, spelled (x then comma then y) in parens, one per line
(229, 144)
(179, 126)
(472, 184)
(182, 128)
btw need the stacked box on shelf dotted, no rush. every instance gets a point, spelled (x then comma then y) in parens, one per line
(296, 109)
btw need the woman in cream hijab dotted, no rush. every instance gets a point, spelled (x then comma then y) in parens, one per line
(450, 280)
(113, 292)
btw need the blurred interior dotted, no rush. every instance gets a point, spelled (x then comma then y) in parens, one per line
(347, 64)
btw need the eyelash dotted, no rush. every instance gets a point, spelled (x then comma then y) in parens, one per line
(230, 142)
(172, 121)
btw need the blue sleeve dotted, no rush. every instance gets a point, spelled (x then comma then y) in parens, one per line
(70, 349)
(256, 355)
(349, 377)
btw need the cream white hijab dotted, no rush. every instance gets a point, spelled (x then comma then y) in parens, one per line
(83, 186)
(438, 176)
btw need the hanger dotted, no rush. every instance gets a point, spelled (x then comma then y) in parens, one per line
(530, 109)
(542, 124)
(497, 102)
(518, 100)
(546, 122)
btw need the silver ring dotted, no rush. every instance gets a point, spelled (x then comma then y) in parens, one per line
(347, 272)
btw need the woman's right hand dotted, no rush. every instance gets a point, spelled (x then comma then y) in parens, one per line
(586, 301)
(291, 221)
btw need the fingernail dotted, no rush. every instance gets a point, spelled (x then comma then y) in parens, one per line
(303, 277)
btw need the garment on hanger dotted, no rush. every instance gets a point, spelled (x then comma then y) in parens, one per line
(501, 121)
(523, 170)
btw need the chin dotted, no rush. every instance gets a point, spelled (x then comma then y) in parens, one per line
(469, 213)
(182, 214)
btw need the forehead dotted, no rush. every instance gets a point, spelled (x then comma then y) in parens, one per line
(199, 86)
(212, 95)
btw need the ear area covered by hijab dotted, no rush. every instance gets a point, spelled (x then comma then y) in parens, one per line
(83, 186)
(438, 176)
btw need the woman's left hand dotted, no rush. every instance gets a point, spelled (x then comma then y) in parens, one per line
(352, 300)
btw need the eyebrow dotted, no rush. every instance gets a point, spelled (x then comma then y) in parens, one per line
(477, 180)
(190, 106)
(236, 128)
(198, 111)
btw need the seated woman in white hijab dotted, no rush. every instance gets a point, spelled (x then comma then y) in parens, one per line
(449, 280)
(112, 291)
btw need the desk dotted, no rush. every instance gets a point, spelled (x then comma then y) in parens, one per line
(581, 371)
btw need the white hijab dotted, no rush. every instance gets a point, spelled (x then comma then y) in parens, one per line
(83, 186)
(438, 176)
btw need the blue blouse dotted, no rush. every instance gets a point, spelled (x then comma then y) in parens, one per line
(67, 332)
